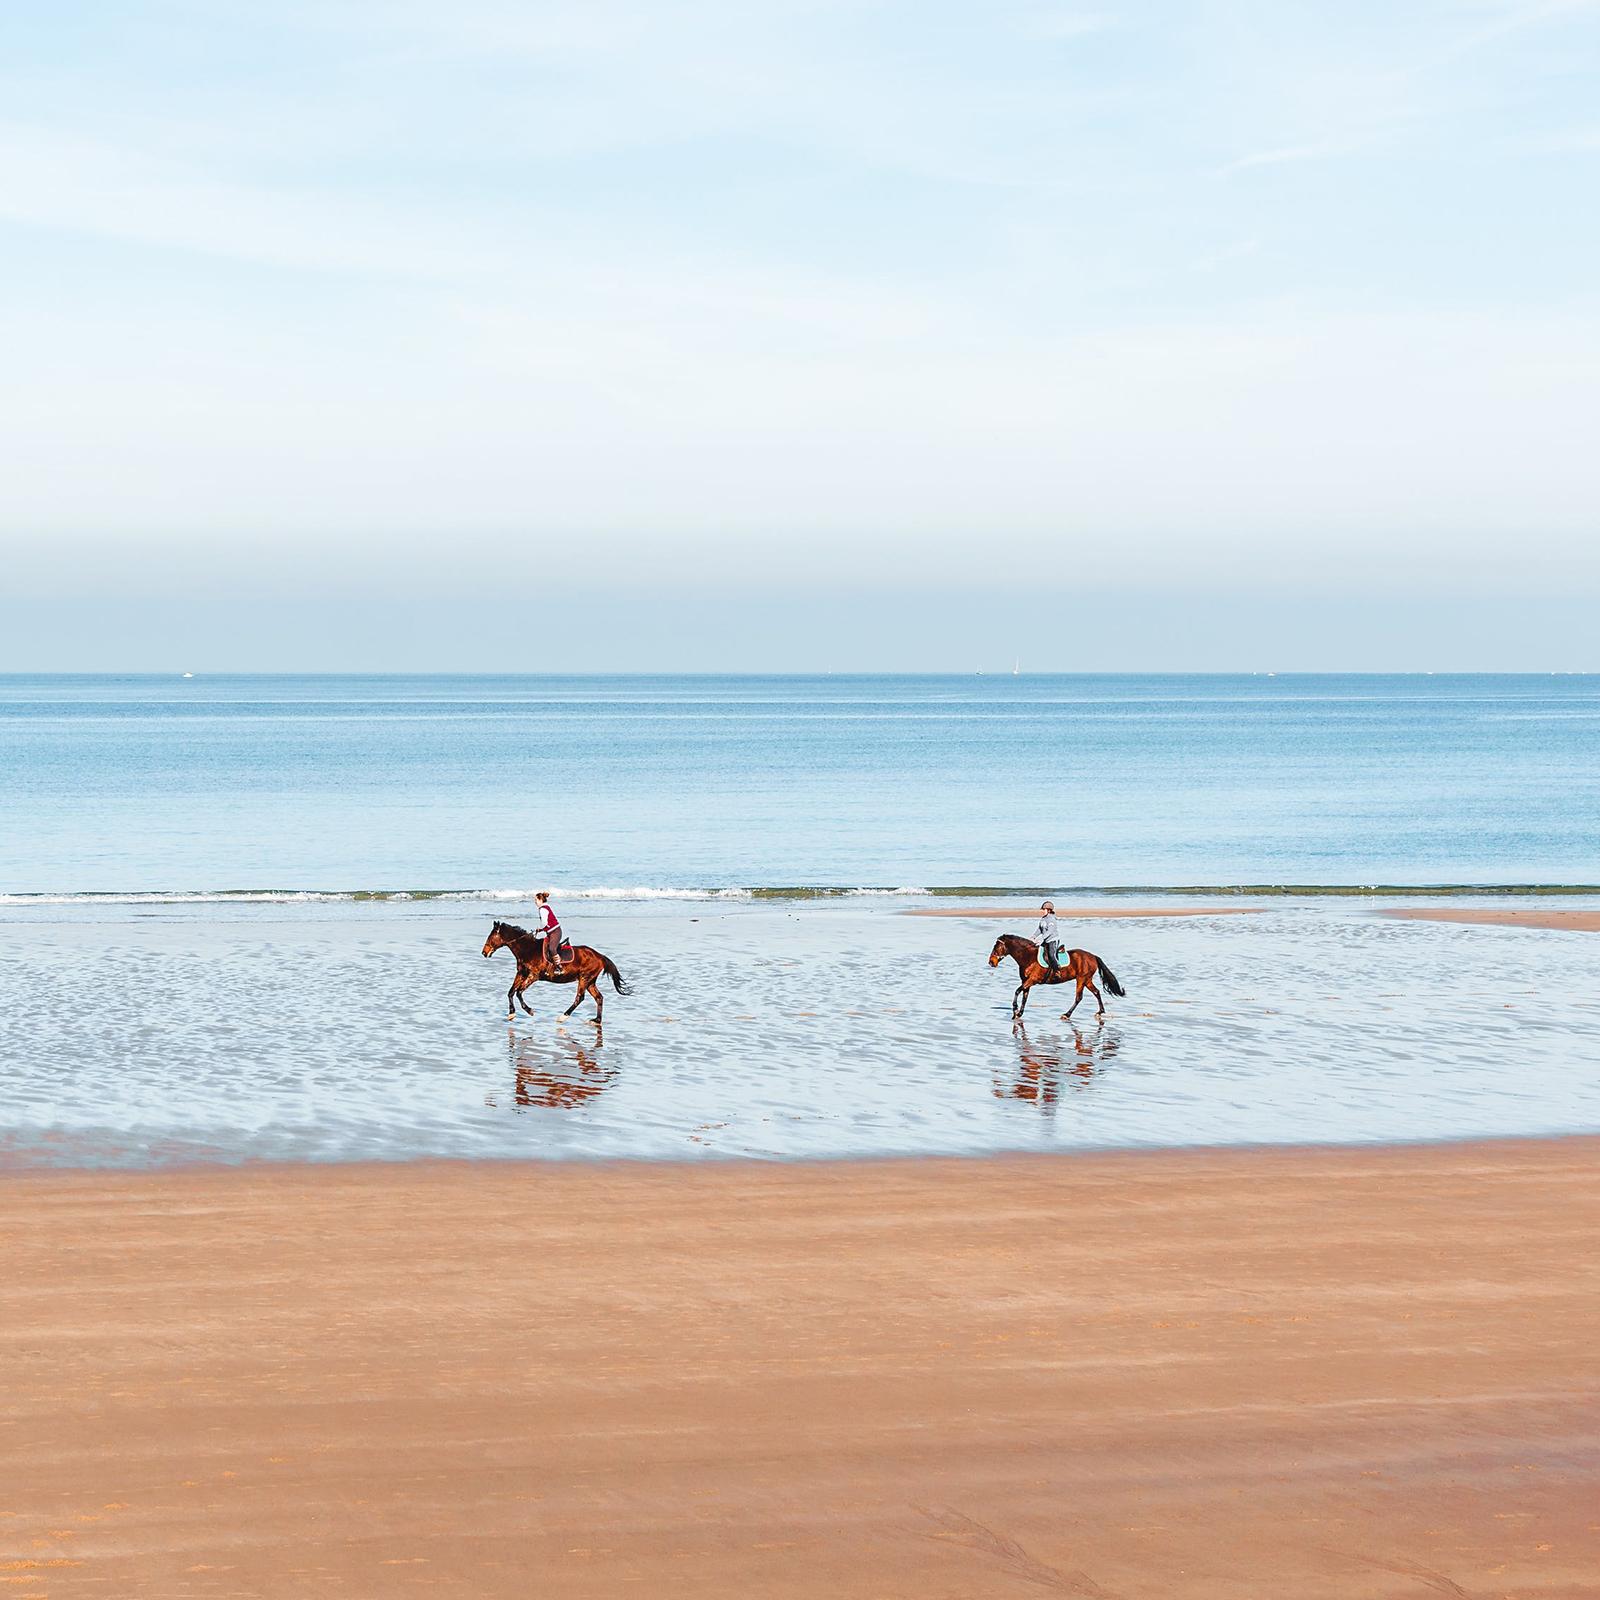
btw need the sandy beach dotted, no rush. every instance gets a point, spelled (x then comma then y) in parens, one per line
(1507, 917)
(1320, 1373)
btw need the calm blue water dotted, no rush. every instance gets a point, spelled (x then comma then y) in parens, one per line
(486, 783)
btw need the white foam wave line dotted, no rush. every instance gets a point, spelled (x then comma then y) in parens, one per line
(620, 892)
(176, 898)
(601, 892)
(335, 897)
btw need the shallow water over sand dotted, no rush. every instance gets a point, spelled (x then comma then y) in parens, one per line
(143, 1035)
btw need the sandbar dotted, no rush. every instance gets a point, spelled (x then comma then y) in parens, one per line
(1572, 921)
(1031, 909)
(1337, 1375)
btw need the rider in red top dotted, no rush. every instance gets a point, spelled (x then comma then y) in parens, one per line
(549, 929)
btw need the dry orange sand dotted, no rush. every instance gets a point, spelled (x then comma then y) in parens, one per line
(1018, 913)
(1332, 1376)
(1576, 921)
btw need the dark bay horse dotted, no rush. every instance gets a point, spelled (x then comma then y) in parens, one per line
(584, 968)
(1077, 966)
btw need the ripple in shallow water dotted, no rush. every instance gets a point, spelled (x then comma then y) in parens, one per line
(132, 1036)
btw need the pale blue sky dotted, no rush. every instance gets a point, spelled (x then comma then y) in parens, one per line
(799, 334)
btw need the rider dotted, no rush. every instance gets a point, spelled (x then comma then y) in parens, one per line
(549, 929)
(1049, 943)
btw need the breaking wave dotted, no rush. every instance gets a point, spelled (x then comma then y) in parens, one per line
(763, 892)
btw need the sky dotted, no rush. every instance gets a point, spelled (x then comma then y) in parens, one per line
(393, 334)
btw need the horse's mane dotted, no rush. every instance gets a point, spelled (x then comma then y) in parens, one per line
(1015, 938)
(513, 929)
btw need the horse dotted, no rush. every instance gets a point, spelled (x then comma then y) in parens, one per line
(1077, 966)
(583, 969)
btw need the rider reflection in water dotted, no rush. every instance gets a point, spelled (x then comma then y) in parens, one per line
(1043, 1067)
(541, 1079)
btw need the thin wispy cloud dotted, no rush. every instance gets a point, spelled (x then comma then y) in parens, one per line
(1324, 150)
(1070, 24)
(1571, 141)
(1240, 250)
(1497, 19)
(51, 180)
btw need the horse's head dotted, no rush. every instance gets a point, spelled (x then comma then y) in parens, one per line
(1012, 945)
(497, 938)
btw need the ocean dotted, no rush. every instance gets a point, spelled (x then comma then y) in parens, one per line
(241, 917)
(384, 784)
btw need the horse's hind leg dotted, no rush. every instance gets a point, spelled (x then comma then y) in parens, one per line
(1099, 999)
(599, 1000)
(1075, 999)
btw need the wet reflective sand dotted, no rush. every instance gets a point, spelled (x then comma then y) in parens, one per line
(139, 1036)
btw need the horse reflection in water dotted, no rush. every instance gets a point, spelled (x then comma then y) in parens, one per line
(1044, 1064)
(559, 1072)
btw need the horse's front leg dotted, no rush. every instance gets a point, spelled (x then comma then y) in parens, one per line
(583, 983)
(524, 980)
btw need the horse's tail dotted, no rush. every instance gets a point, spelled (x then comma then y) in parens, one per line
(613, 974)
(1109, 979)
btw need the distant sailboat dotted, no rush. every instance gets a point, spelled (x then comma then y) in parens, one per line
(1016, 671)
(188, 674)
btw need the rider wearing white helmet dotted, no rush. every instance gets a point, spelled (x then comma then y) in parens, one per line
(1049, 941)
